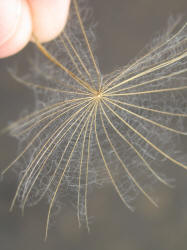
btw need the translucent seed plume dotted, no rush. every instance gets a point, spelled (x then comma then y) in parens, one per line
(89, 129)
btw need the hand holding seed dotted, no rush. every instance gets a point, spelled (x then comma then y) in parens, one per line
(20, 18)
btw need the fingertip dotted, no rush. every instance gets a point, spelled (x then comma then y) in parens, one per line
(49, 17)
(17, 28)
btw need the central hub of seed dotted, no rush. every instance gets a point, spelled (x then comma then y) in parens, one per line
(98, 96)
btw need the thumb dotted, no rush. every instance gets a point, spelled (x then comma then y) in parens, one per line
(15, 26)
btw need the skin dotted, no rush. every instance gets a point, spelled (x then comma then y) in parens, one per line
(20, 18)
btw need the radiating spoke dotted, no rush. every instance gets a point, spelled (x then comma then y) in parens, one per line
(62, 112)
(146, 119)
(57, 63)
(125, 167)
(87, 167)
(38, 113)
(71, 58)
(107, 167)
(169, 76)
(145, 139)
(80, 169)
(77, 55)
(150, 70)
(87, 42)
(62, 175)
(134, 149)
(34, 85)
(53, 78)
(154, 91)
(80, 173)
(149, 109)
(80, 118)
(31, 142)
(40, 155)
(146, 55)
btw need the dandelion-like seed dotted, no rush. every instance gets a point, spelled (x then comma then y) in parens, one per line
(89, 129)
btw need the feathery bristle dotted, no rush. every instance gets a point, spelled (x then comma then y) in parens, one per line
(89, 129)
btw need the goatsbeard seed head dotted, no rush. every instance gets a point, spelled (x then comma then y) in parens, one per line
(89, 129)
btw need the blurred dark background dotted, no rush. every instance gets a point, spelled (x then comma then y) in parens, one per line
(124, 28)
